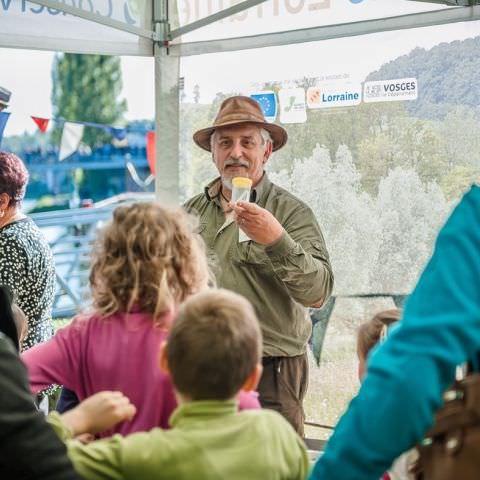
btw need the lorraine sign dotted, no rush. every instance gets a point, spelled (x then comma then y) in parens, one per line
(390, 90)
(334, 95)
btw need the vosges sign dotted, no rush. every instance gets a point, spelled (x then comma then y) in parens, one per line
(390, 90)
(335, 95)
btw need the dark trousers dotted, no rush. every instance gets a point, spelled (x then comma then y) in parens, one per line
(283, 387)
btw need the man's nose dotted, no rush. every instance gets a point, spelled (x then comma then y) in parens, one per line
(237, 150)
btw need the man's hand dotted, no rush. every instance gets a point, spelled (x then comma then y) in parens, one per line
(99, 413)
(259, 224)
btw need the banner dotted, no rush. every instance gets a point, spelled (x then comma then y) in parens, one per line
(390, 90)
(27, 25)
(71, 138)
(268, 102)
(282, 15)
(292, 105)
(334, 95)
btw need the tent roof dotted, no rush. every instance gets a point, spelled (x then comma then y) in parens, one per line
(127, 27)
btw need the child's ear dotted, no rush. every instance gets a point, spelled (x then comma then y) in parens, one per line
(163, 358)
(251, 382)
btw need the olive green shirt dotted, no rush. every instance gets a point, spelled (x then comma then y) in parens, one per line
(280, 280)
(209, 440)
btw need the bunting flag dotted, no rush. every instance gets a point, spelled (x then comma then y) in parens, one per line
(136, 178)
(42, 123)
(151, 150)
(117, 133)
(3, 121)
(71, 138)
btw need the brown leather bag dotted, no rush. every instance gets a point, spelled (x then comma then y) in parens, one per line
(451, 448)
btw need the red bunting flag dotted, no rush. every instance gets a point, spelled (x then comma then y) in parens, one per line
(151, 150)
(42, 123)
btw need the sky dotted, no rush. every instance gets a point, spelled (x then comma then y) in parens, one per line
(27, 73)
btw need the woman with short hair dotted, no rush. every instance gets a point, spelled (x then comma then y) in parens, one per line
(26, 262)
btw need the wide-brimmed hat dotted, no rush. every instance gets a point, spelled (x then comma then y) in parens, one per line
(238, 110)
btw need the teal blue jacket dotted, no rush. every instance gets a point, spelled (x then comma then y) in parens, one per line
(407, 375)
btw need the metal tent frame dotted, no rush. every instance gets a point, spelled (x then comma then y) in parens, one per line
(167, 56)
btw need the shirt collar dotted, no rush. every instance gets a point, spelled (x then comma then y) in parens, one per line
(213, 189)
(202, 410)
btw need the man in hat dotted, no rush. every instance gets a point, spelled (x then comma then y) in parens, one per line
(283, 268)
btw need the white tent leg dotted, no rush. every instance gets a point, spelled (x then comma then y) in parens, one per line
(167, 70)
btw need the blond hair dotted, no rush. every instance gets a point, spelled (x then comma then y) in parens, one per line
(214, 345)
(147, 258)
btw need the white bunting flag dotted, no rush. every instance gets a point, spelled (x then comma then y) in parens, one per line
(71, 137)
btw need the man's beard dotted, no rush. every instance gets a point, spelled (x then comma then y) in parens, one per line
(227, 181)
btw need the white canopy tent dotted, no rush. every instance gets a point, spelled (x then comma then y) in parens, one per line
(172, 29)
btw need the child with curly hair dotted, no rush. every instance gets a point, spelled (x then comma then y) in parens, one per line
(146, 262)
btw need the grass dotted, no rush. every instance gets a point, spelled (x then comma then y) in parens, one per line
(334, 383)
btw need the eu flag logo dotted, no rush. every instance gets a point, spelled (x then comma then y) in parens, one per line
(268, 102)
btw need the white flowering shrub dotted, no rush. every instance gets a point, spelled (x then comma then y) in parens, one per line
(376, 244)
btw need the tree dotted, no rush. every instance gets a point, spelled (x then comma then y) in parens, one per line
(196, 93)
(87, 88)
(378, 242)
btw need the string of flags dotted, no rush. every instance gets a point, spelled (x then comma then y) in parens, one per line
(72, 135)
(72, 132)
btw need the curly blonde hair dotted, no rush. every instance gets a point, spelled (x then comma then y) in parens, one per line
(148, 258)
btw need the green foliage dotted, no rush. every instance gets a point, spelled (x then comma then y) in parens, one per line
(436, 135)
(86, 88)
(49, 203)
(26, 141)
(458, 179)
(445, 76)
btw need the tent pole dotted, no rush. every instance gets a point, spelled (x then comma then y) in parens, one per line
(167, 70)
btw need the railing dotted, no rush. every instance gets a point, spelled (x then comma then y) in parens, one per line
(70, 234)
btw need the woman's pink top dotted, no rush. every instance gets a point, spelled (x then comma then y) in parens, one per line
(118, 353)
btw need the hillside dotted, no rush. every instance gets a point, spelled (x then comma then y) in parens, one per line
(444, 74)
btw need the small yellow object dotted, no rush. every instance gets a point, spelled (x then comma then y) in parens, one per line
(242, 182)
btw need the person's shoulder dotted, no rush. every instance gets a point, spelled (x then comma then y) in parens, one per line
(284, 197)
(192, 205)
(80, 324)
(21, 234)
(15, 239)
(265, 417)
(147, 451)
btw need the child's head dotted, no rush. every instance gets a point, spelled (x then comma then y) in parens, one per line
(149, 258)
(214, 347)
(369, 335)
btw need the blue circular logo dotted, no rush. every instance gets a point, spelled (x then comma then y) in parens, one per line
(356, 1)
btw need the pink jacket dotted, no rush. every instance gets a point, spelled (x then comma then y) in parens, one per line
(118, 353)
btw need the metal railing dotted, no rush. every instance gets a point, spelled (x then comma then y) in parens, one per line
(70, 234)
